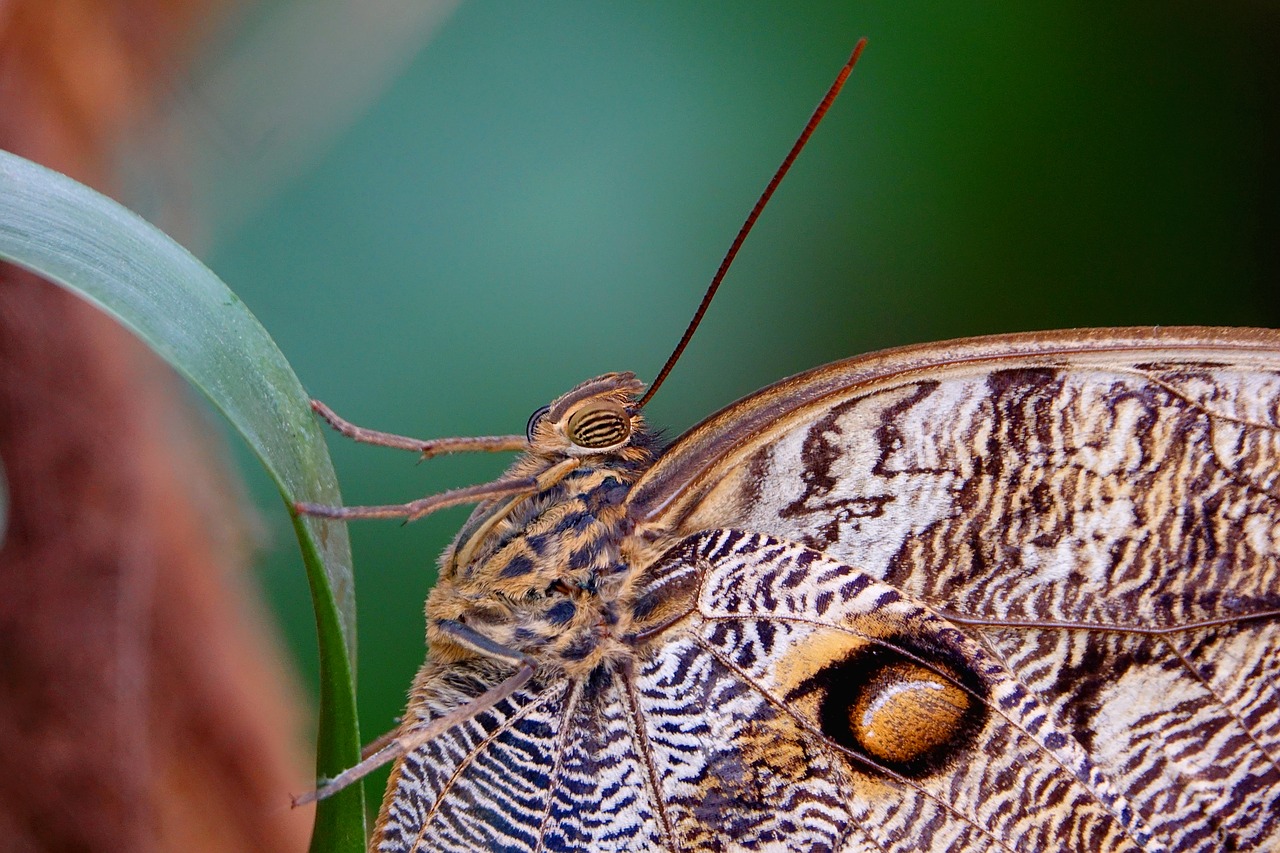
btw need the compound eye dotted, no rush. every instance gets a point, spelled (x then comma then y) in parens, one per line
(599, 426)
(533, 422)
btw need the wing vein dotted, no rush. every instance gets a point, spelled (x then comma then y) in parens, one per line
(636, 722)
(533, 705)
(574, 696)
(826, 743)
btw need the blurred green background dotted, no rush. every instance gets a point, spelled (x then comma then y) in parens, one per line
(541, 191)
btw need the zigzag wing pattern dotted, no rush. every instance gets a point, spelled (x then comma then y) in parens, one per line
(556, 767)
(602, 794)
(1109, 499)
(482, 784)
(779, 640)
(1017, 593)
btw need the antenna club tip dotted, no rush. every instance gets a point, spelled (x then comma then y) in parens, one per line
(857, 52)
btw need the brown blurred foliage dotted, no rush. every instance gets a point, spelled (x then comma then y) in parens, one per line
(142, 704)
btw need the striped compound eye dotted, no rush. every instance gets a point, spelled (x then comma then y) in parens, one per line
(599, 426)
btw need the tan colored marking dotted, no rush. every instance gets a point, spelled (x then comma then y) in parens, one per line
(907, 711)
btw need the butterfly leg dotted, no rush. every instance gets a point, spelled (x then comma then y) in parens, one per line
(413, 510)
(381, 740)
(426, 447)
(408, 741)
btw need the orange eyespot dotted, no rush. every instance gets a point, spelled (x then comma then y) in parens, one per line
(599, 426)
(905, 705)
(907, 711)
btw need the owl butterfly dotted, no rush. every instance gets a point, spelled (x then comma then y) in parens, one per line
(1007, 593)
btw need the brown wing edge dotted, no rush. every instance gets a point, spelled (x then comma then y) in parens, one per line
(682, 471)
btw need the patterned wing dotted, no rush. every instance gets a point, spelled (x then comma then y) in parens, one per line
(775, 716)
(555, 767)
(736, 730)
(1101, 515)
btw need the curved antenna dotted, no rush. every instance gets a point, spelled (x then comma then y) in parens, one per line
(818, 113)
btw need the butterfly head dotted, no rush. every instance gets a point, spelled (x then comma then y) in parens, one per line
(597, 417)
(539, 571)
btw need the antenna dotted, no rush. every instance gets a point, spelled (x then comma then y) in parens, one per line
(818, 113)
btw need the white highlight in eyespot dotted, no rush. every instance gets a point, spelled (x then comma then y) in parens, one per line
(888, 694)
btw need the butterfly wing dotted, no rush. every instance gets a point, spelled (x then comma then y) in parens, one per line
(554, 767)
(942, 622)
(726, 734)
(756, 704)
(1066, 499)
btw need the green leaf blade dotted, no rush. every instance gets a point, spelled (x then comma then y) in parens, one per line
(94, 247)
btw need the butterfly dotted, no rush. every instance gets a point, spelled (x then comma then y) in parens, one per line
(1007, 593)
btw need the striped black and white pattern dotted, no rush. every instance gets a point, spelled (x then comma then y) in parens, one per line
(1086, 546)
(701, 748)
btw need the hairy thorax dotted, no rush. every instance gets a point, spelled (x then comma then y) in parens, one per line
(544, 574)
